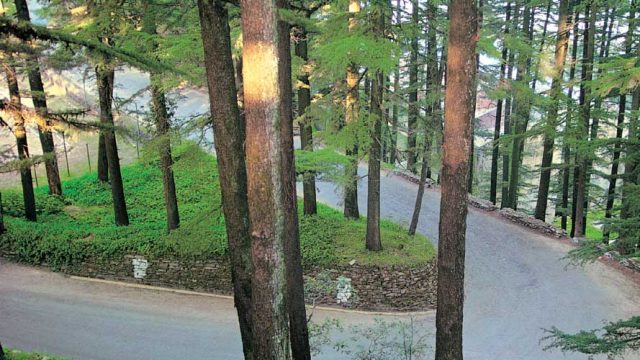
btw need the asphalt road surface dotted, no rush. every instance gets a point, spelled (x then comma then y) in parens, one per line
(516, 286)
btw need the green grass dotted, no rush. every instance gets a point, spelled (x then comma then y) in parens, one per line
(22, 355)
(593, 232)
(82, 224)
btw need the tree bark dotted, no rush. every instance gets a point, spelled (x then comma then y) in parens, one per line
(229, 135)
(460, 90)
(585, 106)
(306, 127)
(562, 44)
(103, 164)
(20, 133)
(495, 154)
(104, 81)
(40, 103)
(504, 201)
(373, 242)
(352, 109)
(298, 331)
(393, 152)
(412, 111)
(163, 127)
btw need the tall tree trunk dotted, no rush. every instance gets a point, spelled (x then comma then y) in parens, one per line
(412, 111)
(352, 113)
(630, 177)
(306, 128)
(585, 105)
(566, 149)
(522, 106)
(508, 107)
(393, 152)
(163, 127)
(298, 331)
(20, 133)
(229, 135)
(562, 44)
(40, 103)
(495, 154)
(473, 116)
(617, 148)
(104, 81)
(373, 242)
(460, 90)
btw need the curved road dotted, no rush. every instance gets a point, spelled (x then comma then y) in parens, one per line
(516, 285)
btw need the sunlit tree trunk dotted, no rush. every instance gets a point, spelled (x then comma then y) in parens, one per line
(40, 103)
(229, 136)
(352, 110)
(460, 90)
(20, 133)
(562, 43)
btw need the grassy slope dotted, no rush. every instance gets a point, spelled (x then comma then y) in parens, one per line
(21, 355)
(84, 223)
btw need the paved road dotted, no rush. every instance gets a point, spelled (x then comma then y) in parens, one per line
(516, 285)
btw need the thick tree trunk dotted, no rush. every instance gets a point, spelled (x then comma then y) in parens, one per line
(562, 43)
(495, 154)
(352, 110)
(104, 81)
(20, 133)
(306, 127)
(412, 111)
(229, 135)
(373, 242)
(585, 105)
(40, 103)
(461, 69)
(163, 127)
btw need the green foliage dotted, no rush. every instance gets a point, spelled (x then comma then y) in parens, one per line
(13, 203)
(12, 354)
(82, 226)
(615, 339)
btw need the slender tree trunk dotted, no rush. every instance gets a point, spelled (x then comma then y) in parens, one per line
(229, 134)
(412, 112)
(585, 104)
(104, 81)
(163, 127)
(495, 154)
(459, 95)
(352, 110)
(473, 116)
(20, 133)
(617, 148)
(298, 331)
(393, 152)
(418, 205)
(630, 177)
(504, 201)
(40, 103)
(566, 149)
(306, 129)
(562, 43)
(373, 242)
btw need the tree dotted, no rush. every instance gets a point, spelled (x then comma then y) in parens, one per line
(20, 133)
(351, 117)
(163, 126)
(229, 133)
(458, 112)
(306, 128)
(412, 110)
(562, 44)
(40, 103)
(373, 242)
(271, 191)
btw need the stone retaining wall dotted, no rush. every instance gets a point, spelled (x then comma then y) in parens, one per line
(373, 288)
